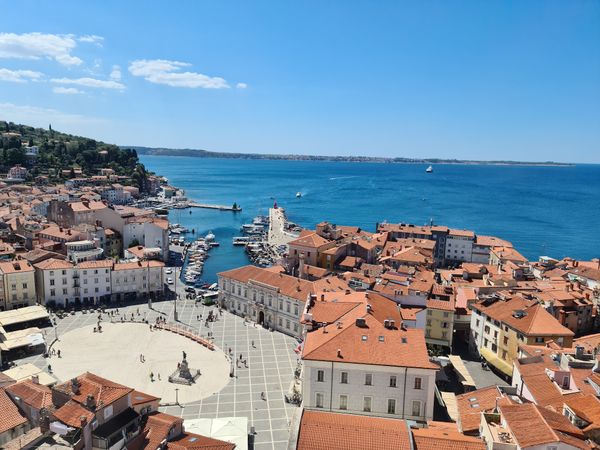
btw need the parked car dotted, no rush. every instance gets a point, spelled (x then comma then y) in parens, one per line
(169, 280)
(168, 271)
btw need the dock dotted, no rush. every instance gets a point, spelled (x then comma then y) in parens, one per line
(219, 207)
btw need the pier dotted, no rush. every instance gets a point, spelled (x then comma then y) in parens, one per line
(277, 234)
(234, 208)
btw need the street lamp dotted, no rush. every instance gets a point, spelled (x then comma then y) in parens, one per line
(177, 396)
(176, 295)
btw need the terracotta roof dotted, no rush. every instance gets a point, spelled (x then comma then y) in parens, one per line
(71, 414)
(289, 286)
(444, 436)
(370, 342)
(559, 422)
(138, 265)
(103, 390)
(10, 416)
(312, 240)
(139, 398)
(36, 395)
(327, 431)
(100, 264)
(53, 264)
(529, 427)
(491, 241)
(587, 407)
(191, 441)
(156, 429)
(18, 266)
(535, 322)
(471, 404)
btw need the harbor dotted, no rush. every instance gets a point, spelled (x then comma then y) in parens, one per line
(266, 238)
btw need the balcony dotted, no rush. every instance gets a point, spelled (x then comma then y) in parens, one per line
(119, 430)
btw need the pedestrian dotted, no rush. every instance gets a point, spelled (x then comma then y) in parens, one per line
(253, 344)
(159, 377)
(198, 318)
(141, 358)
(240, 356)
(58, 353)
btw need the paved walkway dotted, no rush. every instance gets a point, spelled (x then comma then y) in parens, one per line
(277, 235)
(271, 364)
(115, 355)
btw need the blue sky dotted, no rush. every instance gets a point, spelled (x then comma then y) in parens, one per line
(453, 79)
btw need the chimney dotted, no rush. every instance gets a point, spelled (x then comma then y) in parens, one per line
(90, 403)
(339, 352)
(35, 379)
(322, 297)
(75, 386)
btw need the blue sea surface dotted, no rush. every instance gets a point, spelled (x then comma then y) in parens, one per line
(552, 211)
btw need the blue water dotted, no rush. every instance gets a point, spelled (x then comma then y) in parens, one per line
(551, 211)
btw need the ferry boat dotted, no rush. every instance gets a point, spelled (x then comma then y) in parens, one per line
(429, 169)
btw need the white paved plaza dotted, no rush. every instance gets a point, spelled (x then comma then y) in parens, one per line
(115, 354)
(271, 364)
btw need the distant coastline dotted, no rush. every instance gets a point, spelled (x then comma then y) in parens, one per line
(159, 151)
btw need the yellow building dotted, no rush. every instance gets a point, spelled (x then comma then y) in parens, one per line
(498, 326)
(18, 282)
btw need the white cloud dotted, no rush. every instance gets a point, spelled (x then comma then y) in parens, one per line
(241, 85)
(19, 76)
(161, 71)
(115, 74)
(93, 39)
(39, 45)
(65, 90)
(89, 82)
(41, 117)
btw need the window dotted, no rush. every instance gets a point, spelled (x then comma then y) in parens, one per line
(416, 408)
(344, 378)
(428, 322)
(391, 406)
(52, 292)
(367, 404)
(65, 291)
(369, 379)
(320, 376)
(446, 314)
(287, 307)
(539, 340)
(418, 382)
(505, 340)
(51, 282)
(24, 285)
(343, 402)
(319, 403)
(393, 381)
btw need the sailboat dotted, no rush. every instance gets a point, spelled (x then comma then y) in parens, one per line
(429, 169)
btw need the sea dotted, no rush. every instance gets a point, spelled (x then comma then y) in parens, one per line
(542, 210)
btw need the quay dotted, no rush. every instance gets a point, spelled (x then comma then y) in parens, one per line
(233, 208)
(277, 234)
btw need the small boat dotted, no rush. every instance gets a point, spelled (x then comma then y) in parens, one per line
(241, 240)
(298, 194)
(210, 236)
(429, 169)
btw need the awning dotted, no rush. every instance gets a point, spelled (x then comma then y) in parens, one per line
(36, 339)
(463, 373)
(496, 361)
